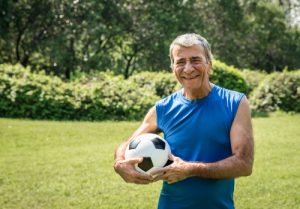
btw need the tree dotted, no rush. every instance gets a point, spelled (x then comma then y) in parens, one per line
(124, 36)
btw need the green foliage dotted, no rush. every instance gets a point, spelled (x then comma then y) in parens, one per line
(62, 36)
(279, 91)
(102, 96)
(120, 100)
(253, 78)
(162, 84)
(35, 95)
(268, 42)
(228, 77)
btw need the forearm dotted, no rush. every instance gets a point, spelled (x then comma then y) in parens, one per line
(120, 151)
(230, 167)
(148, 126)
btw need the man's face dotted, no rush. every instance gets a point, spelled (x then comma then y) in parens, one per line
(191, 67)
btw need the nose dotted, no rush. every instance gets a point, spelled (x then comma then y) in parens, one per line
(188, 68)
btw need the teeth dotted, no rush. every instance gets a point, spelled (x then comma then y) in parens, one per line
(189, 78)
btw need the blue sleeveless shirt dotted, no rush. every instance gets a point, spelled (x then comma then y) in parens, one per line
(198, 131)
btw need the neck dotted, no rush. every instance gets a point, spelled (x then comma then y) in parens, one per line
(198, 93)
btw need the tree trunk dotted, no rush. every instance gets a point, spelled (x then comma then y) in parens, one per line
(71, 59)
(18, 47)
(25, 60)
(126, 72)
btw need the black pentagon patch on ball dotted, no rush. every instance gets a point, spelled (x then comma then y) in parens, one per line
(169, 162)
(158, 143)
(134, 143)
(146, 164)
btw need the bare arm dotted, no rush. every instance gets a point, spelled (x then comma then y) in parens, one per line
(239, 164)
(125, 168)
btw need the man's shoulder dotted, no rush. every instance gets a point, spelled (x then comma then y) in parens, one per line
(168, 99)
(224, 93)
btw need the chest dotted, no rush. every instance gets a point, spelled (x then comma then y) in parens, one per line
(199, 132)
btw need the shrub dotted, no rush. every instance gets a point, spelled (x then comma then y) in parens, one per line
(160, 83)
(279, 91)
(93, 97)
(228, 77)
(38, 96)
(253, 78)
(33, 95)
(118, 100)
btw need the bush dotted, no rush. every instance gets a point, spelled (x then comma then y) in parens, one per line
(279, 91)
(119, 100)
(99, 96)
(33, 95)
(253, 78)
(38, 96)
(228, 77)
(160, 83)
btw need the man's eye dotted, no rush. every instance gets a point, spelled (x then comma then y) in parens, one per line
(197, 61)
(180, 62)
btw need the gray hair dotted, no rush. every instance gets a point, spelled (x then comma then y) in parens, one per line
(190, 39)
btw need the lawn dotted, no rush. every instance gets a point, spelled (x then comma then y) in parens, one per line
(53, 165)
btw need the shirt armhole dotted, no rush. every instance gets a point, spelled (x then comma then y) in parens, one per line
(159, 113)
(238, 101)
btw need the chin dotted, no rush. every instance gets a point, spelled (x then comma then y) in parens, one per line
(192, 87)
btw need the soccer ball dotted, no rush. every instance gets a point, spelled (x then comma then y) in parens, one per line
(154, 149)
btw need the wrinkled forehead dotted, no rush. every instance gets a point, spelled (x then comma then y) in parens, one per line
(179, 51)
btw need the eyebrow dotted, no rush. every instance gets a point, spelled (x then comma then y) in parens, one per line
(180, 59)
(194, 58)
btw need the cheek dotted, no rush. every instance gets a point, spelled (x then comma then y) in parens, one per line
(177, 71)
(203, 69)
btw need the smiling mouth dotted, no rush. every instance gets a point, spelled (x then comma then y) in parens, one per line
(190, 78)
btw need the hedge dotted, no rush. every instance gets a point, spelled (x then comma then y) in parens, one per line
(160, 83)
(279, 91)
(253, 78)
(98, 97)
(35, 95)
(228, 77)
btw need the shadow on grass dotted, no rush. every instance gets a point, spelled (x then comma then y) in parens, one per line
(256, 114)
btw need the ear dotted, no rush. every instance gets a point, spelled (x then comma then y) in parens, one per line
(172, 69)
(210, 68)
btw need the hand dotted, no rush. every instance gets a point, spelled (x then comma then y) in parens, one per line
(126, 169)
(175, 172)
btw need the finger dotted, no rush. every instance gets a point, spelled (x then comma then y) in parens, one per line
(139, 181)
(171, 157)
(157, 174)
(143, 176)
(157, 171)
(171, 179)
(134, 160)
(138, 178)
(159, 177)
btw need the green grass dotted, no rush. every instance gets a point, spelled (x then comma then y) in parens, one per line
(69, 165)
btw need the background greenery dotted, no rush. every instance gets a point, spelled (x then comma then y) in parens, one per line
(124, 36)
(102, 96)
(69, 165)
(97, 60)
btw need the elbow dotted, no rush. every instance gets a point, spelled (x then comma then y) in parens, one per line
(247, 170)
